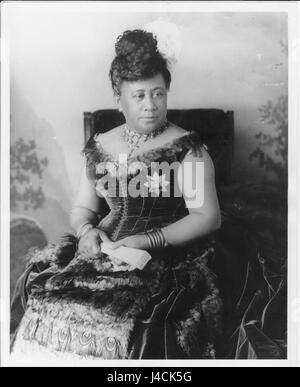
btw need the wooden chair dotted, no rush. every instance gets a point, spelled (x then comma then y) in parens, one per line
(215, 126)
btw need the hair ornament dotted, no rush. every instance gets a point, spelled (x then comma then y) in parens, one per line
(169, 39)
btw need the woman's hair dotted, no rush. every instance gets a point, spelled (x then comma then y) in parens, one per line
(137, 58)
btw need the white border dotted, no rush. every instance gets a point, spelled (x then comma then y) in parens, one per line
(294, 185)
(5, 197)
(292, 9)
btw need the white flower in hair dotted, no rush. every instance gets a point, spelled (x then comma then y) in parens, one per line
(169, 39)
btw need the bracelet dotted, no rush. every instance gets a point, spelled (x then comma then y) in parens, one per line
(84, 229)
(156, 239)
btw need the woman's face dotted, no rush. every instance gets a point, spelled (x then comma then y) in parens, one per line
(144, 103)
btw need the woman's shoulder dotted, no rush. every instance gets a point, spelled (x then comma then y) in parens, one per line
(106, 143)
(111, 136)
(176, 131)
(189, 141)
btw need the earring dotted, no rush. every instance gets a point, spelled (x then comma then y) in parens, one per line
(120, 109)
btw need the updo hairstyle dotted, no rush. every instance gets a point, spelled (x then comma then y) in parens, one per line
(137, 58)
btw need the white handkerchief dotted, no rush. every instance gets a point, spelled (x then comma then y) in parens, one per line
(136, 258)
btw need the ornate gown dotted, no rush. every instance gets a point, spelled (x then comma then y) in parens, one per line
(69, 305)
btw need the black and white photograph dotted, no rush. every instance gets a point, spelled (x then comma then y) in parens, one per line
(148, 183)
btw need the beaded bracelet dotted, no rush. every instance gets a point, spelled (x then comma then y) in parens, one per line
(156, 239)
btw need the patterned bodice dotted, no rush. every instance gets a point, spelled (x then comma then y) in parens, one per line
(141, 192)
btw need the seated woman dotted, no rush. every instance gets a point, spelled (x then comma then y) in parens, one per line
(84, 303)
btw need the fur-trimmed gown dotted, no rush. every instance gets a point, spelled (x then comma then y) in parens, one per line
(67, 305)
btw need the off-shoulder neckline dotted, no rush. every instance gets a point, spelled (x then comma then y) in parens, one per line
(144, 155)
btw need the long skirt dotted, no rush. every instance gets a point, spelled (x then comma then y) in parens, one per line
(67, 306)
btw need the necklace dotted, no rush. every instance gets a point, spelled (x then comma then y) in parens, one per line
(134, 138)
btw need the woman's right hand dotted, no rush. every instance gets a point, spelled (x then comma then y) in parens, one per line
(90, 243)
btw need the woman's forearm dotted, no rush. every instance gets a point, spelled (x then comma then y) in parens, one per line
(190, 227)
(81, 215)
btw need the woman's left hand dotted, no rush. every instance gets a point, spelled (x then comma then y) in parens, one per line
(138, 241)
